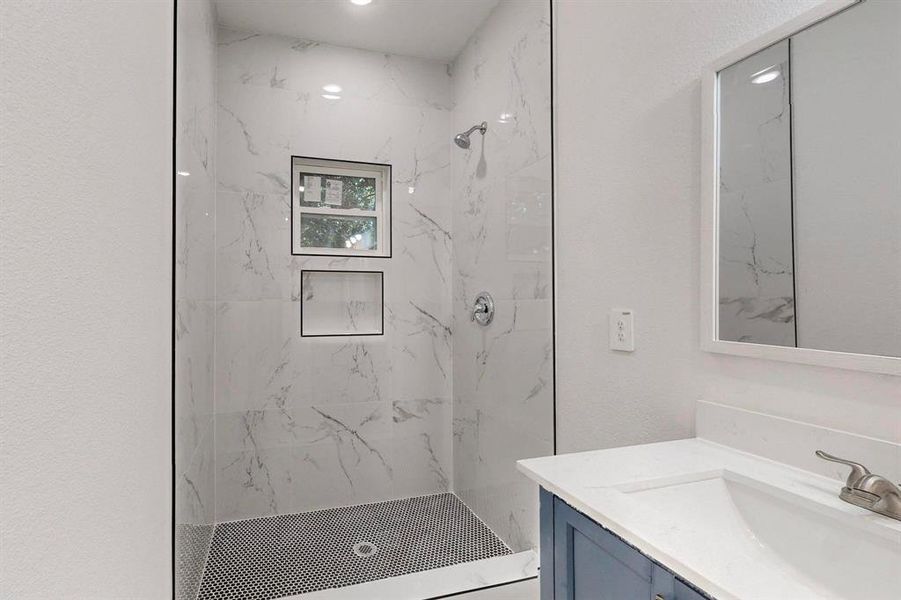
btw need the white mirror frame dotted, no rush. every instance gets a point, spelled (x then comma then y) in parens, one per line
(710, 218)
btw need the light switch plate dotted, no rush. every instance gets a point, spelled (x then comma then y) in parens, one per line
(622, 330)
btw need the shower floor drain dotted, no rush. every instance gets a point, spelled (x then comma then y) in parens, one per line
(274, 557)
(365, 549)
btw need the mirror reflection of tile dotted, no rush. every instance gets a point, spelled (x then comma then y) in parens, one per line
(808, 188)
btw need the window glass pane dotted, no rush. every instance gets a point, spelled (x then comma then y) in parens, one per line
(326, 231)
(337, 191)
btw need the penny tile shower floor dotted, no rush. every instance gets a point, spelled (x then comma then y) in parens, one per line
(274, 557)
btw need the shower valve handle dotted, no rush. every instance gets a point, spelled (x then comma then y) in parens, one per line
(483, 309)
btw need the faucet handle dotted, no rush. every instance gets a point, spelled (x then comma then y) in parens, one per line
(858, 471)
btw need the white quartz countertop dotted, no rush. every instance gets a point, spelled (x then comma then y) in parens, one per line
(712, 536)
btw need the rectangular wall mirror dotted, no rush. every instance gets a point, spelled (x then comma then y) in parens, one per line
(802, 222)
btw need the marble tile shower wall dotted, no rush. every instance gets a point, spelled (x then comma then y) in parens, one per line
(195, 289)
(307, 423)
(503, 377)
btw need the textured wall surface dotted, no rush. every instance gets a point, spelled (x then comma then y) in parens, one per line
(306, 423)
(503, 379)
(85, 261)
(195, 288)
(628, 230)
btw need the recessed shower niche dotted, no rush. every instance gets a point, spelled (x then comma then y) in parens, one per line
(339, 380)
(335, 303)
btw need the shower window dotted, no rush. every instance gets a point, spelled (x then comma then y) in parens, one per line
(340, 208)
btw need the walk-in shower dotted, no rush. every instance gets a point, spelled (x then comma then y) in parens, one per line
(462, 139)
(349, 406)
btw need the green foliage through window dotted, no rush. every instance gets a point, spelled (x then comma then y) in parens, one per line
(325, 231)
(357, 192)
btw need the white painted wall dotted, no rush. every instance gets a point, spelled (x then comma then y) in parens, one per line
(85, 253)
(628, 170)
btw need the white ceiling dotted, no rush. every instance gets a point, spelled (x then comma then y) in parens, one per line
(434, 29)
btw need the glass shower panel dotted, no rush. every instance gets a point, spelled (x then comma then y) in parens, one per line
(503, 373)
(195, 209)
(361, 416)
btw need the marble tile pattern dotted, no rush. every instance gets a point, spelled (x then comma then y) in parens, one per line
(310, 423)
(503, 373)
(756, 295)
(195, 120)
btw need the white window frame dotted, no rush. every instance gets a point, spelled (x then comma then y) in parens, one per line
(382, 213)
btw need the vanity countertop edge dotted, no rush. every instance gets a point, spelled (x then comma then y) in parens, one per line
(594, 482)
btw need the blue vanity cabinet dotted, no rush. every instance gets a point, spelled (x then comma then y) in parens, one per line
(683, 592)
(580, 560)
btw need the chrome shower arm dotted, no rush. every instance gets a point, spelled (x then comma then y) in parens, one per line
(482, 128)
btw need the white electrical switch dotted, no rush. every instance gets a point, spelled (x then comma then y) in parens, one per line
(622, 331)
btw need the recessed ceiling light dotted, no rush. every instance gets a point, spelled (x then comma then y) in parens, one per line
(766, 75)
(361, 2)
(183, 173)
(332, 88)
(331, 97)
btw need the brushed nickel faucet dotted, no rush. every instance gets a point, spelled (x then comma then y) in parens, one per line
(869, 491)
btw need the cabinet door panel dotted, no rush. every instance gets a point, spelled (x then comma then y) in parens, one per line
(683, 592)
(662, 583)
(597, 575)
(546, 544)
(580, 560)
(593, 564)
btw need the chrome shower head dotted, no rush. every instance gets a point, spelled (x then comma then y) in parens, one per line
(462, 139)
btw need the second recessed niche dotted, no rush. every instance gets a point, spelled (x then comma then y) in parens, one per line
(341, 303)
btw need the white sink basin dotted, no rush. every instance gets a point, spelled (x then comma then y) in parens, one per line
(737, 526)
(811, 549)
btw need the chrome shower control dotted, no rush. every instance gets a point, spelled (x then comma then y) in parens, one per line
(483, 309)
